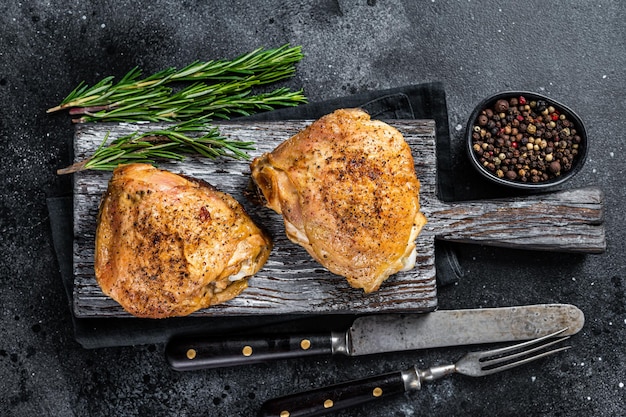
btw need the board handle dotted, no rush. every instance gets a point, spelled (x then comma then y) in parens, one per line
(565, 221)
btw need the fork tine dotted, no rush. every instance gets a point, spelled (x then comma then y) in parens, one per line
(486, 362)
(523, 361)
(505, 355)
(519, 346)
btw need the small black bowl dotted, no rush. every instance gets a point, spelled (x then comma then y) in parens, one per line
(532, 169)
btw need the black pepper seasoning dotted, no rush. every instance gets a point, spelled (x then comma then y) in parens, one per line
(525, 141)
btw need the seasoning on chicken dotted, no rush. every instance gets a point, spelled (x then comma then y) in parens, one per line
(168, 245)
(347, 189)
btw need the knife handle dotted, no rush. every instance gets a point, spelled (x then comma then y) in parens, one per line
(187, 353)
(335, 397)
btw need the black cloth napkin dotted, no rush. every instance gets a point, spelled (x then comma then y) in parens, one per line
(422, 101)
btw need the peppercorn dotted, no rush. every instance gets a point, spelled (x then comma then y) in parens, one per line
(501, 106)
(527, 141)
(555, 167)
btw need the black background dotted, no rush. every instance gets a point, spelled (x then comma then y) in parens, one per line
(571, 51)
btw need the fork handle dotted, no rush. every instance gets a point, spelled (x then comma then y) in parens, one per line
(336, 397)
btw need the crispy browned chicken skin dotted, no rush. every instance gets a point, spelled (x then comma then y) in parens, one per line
(168, 245)
(347, 189)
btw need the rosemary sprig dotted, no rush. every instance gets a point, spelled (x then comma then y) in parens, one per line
(196, 101)
(173, 143)
(227, 82)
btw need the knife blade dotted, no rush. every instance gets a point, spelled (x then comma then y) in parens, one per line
(381, 333)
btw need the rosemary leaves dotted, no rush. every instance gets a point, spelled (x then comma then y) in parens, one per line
(218, 89)
(170, 143)
(192, 97)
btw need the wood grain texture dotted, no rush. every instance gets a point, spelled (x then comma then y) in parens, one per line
(565, 221)
(291, 281)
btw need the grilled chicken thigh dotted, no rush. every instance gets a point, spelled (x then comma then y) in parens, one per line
(168, 245)
(347, 189)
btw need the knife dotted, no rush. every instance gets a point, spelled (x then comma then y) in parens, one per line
(380, 333)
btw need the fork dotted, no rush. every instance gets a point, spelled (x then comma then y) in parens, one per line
(336, 397)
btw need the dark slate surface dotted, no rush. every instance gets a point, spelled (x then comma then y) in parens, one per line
(573, 52)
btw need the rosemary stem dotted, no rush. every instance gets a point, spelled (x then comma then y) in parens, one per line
(75, 167)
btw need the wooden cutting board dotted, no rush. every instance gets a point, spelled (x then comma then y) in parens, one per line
(291, 281)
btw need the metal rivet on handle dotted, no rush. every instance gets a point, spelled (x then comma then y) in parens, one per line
(377, 392)
(247, 351)
(284, 413)
(191, 353)
(305, 344)
(328, 403)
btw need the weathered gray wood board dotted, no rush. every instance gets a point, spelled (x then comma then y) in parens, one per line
(291, 282)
